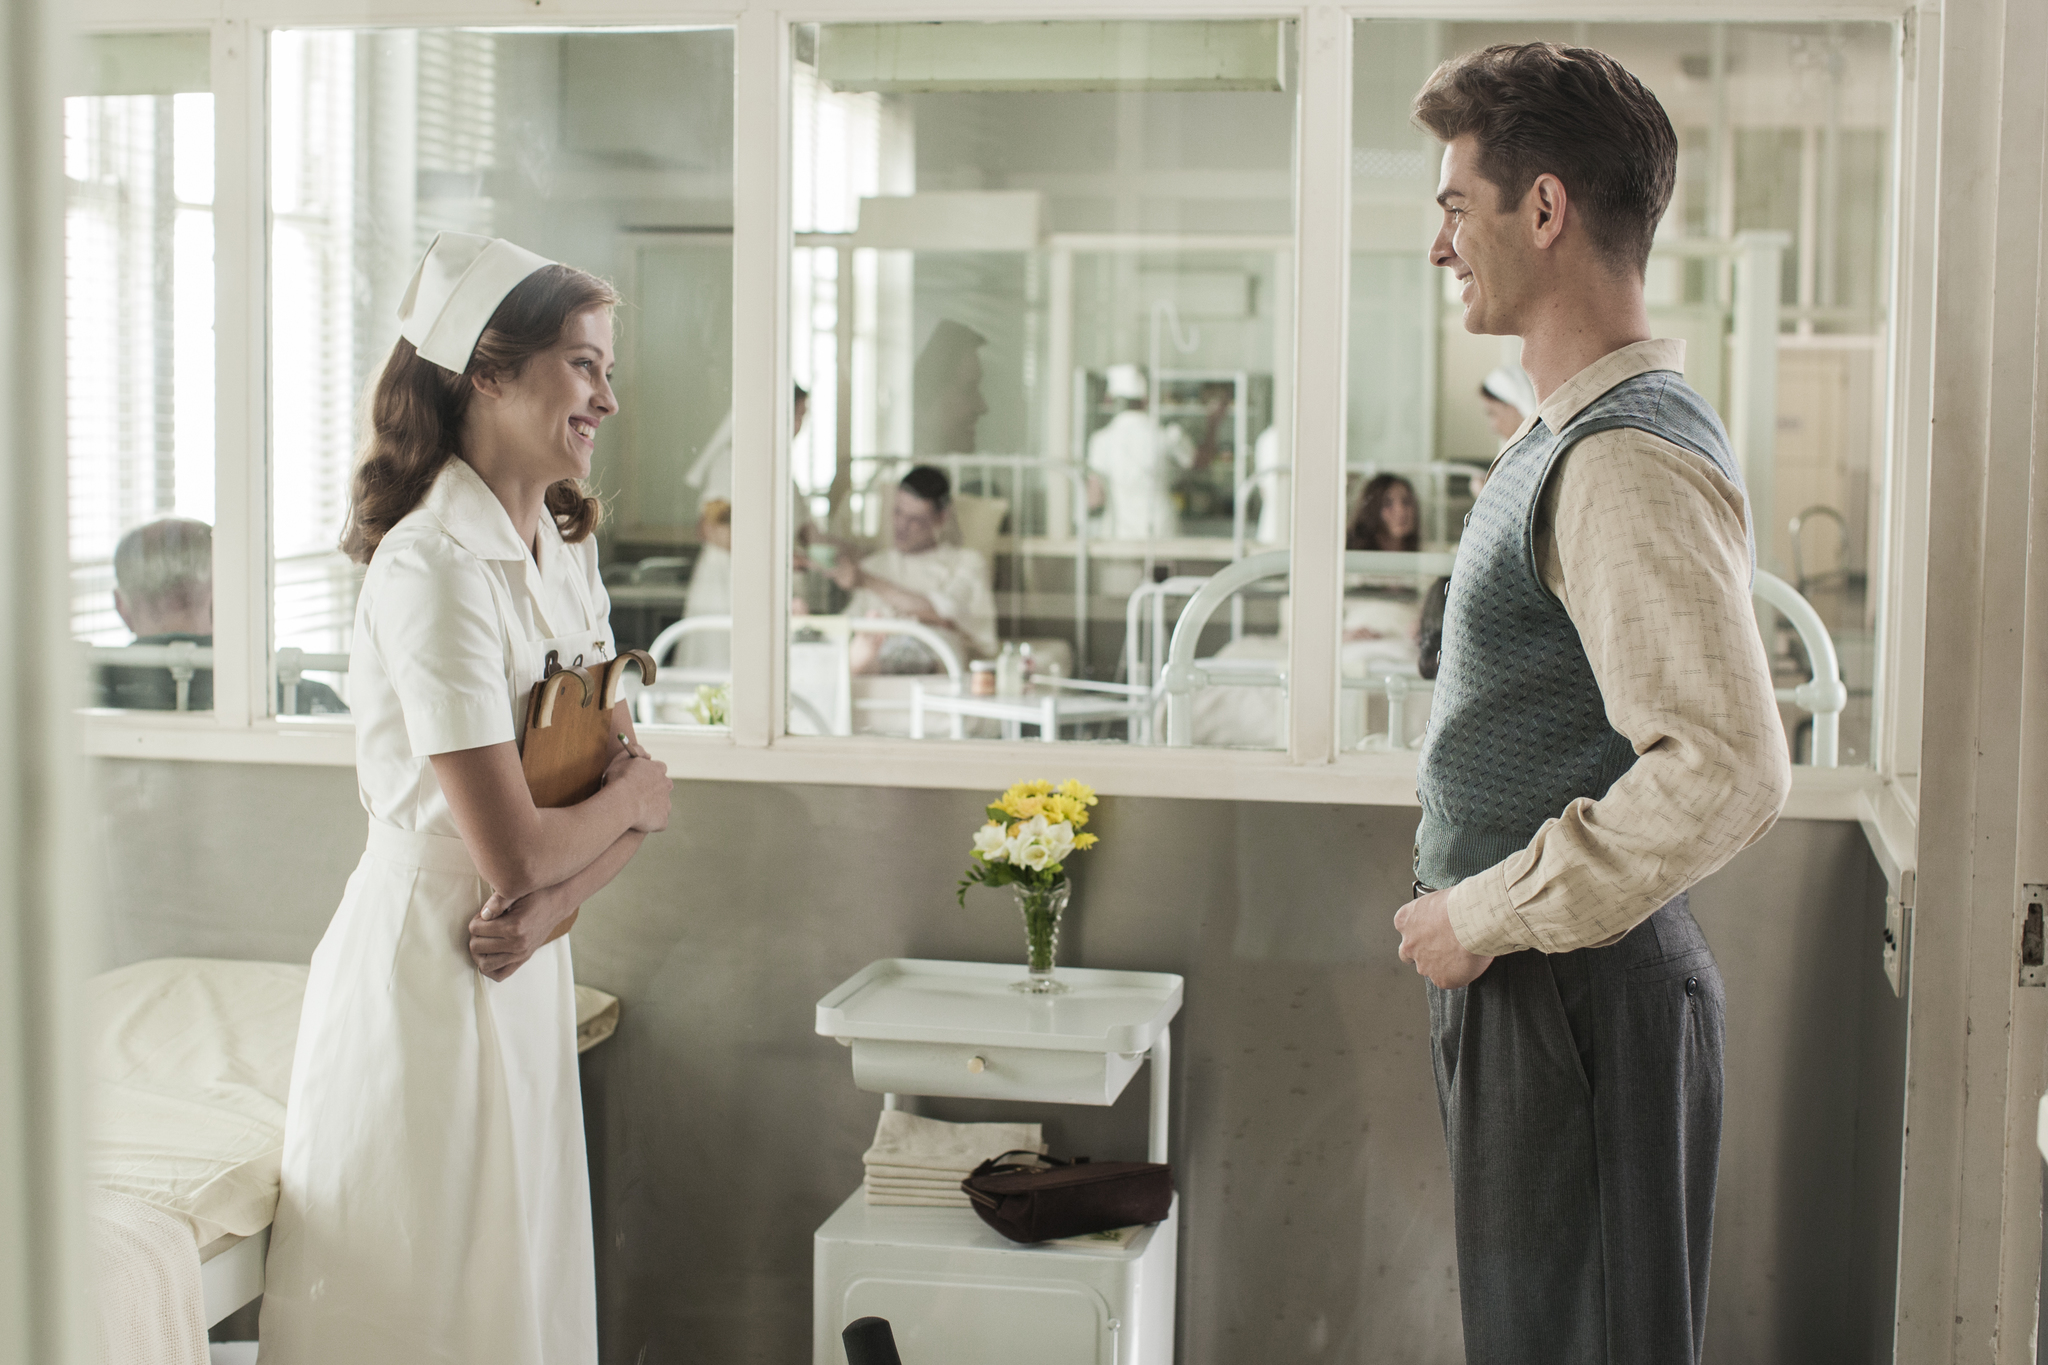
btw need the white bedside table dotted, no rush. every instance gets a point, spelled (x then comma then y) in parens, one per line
(955, 1291)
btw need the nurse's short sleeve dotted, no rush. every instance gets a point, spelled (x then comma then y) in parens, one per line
(437, 630)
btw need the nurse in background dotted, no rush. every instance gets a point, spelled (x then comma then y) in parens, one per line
(710, 591)
(919, 578)
(711, 475)
(435, 1201)
(1132, 461)
(1509, 399)
(1270, 475)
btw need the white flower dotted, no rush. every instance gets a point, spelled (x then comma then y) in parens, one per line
(1036, 844)
(989, 841)
(1024, 836)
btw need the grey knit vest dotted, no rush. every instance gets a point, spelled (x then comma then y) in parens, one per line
(1518, 729)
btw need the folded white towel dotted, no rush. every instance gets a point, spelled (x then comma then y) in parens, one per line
(945, 1187)
(916, 1173)
(941, 1148)
(919, 1201)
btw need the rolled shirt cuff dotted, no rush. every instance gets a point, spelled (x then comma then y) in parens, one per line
(1483, 917)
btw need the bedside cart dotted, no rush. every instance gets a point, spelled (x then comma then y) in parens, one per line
(955, 1290)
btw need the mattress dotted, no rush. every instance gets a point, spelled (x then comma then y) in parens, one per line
(190, 1060)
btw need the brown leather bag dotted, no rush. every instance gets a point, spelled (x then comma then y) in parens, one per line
(1031, 1198)
(570, 738)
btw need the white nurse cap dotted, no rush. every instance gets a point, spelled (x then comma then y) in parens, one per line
(1126, 381)
(1510, 384)
(460, 283)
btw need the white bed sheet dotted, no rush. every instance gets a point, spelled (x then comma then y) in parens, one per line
(190, 1060)
(189, 1066)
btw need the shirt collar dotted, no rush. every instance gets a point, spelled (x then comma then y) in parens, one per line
(1572, 396)
(473, 517)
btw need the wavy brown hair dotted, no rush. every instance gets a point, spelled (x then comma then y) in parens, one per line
(417, 410)
(1367, 525)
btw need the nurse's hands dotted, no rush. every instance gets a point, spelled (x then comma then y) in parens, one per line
(1427, 941)
(646, 783)
(505, 933)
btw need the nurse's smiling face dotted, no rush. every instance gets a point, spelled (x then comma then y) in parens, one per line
(545, 417)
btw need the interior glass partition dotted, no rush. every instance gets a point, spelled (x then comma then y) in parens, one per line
(609, 151)
(1771, 265)
(1041, 293)
(139, 367)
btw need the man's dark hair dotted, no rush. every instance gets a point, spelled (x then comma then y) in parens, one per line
(1572, 112)
(929, 483)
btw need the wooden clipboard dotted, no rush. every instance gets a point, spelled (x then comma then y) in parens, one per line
(569, 735)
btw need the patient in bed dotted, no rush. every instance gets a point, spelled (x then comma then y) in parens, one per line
(163, 590)
(919, 578)
(1388, 518)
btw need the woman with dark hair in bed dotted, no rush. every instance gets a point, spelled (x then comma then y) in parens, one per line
(435, 1202)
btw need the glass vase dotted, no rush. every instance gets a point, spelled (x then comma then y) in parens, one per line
(1041, 910)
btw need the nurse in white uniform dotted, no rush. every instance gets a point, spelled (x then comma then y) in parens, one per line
(436, 1203)
(1135, 459)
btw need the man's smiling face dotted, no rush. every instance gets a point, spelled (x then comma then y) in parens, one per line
(1482, 245)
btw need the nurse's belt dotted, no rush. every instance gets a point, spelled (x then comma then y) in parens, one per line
(461, 281)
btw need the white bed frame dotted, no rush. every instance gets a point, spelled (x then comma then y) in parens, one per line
(231, 1272)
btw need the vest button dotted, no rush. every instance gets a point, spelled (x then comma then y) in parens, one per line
(1692, 985)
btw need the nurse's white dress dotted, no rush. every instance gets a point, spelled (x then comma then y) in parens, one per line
(1136, 458)
(436, 1201)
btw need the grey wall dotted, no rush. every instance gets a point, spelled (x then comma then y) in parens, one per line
(1316, 1205)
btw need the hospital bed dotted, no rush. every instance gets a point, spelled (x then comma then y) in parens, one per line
(824, 691)
(189, 1061)
(1823, 695)
(183, 659)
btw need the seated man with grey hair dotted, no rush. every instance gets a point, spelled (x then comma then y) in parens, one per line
(163, 590)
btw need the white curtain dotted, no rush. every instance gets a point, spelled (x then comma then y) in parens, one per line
(45, 909)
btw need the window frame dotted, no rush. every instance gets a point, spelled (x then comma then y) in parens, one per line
(757, 748)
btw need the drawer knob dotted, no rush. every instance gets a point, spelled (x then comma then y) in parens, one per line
(977, 1065)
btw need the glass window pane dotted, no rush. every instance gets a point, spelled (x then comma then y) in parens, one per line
(608, 151)
(1783, 129)
(138, 304)
(1042, 306)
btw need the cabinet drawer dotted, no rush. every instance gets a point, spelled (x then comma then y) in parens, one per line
(994, 1073)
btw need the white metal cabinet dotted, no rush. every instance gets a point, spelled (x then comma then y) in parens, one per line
(955, 1291)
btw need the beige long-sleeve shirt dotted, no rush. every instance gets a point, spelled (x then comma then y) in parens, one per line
(1645, 545)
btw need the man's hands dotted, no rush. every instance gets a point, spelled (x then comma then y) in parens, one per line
(505, 933)
(1427, 941)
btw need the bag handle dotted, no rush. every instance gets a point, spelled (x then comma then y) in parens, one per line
(1034, 1161)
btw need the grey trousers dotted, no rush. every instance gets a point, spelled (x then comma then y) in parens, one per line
(1581, 1097)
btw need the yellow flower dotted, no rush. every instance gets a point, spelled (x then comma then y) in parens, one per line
(1068, 803)
(1021, 806)
(1067, 808)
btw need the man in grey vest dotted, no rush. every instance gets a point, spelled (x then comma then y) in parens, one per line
(1604, 735)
